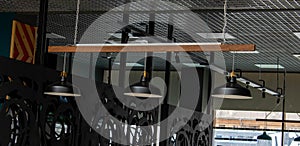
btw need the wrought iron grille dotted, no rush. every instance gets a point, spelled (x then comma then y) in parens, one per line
(28, 118)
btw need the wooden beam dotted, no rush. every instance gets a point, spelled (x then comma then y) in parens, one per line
(154, 48)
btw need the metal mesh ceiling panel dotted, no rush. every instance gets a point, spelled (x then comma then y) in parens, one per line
(105, 5)
(269, 24)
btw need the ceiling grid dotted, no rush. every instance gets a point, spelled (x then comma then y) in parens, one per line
(269, 24)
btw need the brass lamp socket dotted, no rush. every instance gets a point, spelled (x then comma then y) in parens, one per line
(64, 74)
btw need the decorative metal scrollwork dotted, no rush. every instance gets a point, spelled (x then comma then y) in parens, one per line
(28, 118)
(196, 131)
(18, 112)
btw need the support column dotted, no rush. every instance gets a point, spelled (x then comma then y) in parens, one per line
(41, 50)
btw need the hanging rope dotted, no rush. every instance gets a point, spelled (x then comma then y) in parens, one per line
(224, 34)
(76, 22)
(75, 35)
(225, 22)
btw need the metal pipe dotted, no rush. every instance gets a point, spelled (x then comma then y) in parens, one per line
(164, 106)
(167, 75)
(91, 66)
(151, 28)
(151, 31)
(277, 74)
(283, 110)
(109, 69)
(41, 50)
(124, 40)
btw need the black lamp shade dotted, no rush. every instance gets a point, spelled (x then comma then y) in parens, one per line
(297, 139)
(142, 89)
(264, 136)
(62, 89)
(232, 90)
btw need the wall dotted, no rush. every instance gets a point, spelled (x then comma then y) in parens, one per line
(5, 33)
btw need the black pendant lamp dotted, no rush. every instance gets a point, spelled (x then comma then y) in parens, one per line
(143, 89)
(264, 136)
(232, 90)
(62, 88)
(297, 139)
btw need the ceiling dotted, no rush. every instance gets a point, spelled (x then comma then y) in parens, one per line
(269, 24)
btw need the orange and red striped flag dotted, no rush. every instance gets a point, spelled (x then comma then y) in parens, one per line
(23, 42)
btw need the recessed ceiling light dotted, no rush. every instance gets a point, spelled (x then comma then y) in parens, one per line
(119, 35)
(297, 34)
(193, 65)
(269, 66)
(244, 52)
(216, 35)
(129, 42)
(130, 64)
(52, 35)
(297, 55)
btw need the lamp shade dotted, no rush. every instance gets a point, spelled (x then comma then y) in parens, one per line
(264, 136)
(143, 89)
(62, 88)
(297, 139)
(232, 90)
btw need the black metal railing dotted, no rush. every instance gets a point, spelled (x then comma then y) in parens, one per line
(29, 118)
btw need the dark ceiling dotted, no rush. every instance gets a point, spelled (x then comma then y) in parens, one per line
(269, 24)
